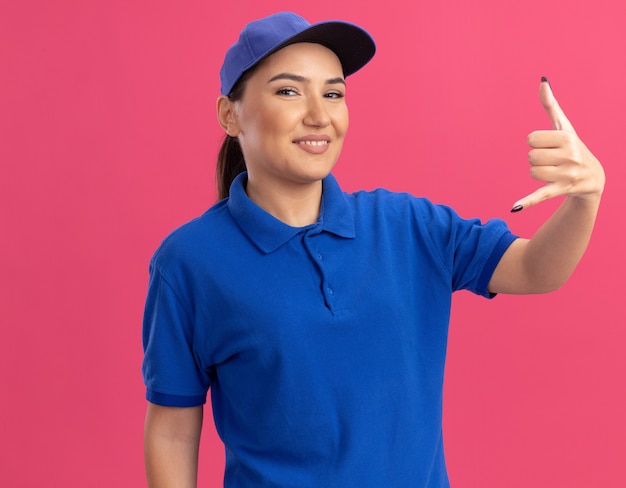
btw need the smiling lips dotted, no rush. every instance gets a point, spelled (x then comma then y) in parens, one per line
(313, 144)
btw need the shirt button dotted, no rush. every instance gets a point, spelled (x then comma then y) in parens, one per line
(319, 256)
(330, 291)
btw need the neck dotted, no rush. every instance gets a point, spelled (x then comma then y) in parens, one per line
(296, 206)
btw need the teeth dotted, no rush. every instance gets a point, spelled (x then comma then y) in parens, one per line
(313, 143)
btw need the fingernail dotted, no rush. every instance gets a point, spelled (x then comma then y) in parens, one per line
(517, 208)
(544, 80)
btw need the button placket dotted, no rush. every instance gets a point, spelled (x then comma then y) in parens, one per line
(318, 258)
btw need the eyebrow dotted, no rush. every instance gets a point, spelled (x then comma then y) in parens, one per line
(302, 79)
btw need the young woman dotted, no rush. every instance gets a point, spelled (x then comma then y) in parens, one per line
(318, 319)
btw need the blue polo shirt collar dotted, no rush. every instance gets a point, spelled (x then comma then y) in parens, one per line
(268, 233)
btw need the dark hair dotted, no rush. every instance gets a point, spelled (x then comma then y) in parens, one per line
(230, 160)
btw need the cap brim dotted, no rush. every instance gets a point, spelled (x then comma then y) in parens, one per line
(353, 46)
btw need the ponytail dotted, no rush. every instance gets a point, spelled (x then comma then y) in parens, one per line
(230, 163)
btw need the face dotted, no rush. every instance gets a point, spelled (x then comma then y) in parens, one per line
(292, 118)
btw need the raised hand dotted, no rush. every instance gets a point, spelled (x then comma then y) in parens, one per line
(560, 158)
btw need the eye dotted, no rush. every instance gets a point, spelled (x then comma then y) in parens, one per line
(288, 92)
(334, 94)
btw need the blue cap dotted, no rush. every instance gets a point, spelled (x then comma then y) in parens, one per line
(353, 45)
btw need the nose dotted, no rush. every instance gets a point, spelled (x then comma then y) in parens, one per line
(316, 114)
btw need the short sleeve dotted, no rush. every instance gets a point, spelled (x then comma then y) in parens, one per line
(471, 249)
(171, 370)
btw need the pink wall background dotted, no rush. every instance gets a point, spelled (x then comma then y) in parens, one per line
(108, 140)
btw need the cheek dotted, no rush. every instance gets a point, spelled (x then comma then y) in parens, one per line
(343, 121)
(277, 123)
(266, 133)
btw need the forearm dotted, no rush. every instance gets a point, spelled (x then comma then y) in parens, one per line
(546, 261)
(171, 445)
(556, 248)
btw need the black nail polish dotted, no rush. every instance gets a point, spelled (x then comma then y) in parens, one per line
(544, 79)
(517, 208)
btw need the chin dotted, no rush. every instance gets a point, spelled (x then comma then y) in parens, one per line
(320, 173)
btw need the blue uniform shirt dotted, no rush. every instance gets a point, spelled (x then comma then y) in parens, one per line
(323, 346)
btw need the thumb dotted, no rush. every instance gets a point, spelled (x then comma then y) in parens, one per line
(552, 107)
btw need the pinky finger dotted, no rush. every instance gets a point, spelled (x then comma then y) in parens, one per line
(538, 196)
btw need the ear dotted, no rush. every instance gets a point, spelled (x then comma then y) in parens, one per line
(227, 117)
